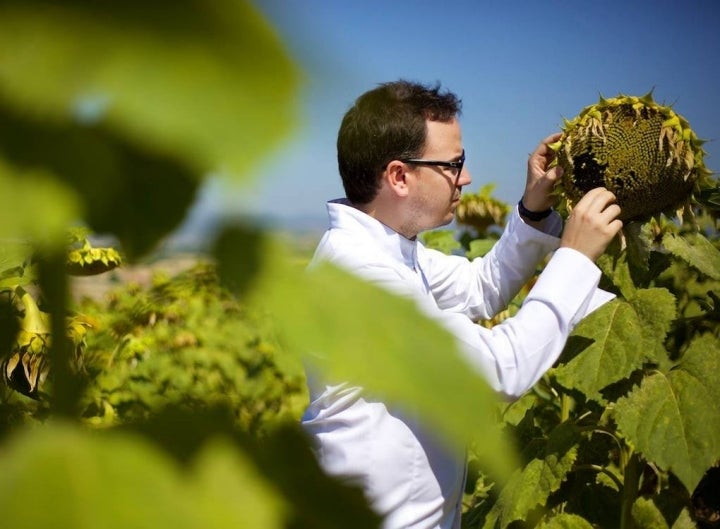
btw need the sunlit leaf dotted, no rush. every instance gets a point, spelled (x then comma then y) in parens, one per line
(646, 515)
(696, 251)
(617, 270)
(566, 521)
(684, 521)
(351, 330)
(674, 418)
(637, 241)
(531, 487)
(655, 309)
(229, 495)
(602, 349)
(206, 82)
(34, 206)
(615, 340)
(60, 476)
(442, 240)
(124, 188)
(283, 457)
(14, 260)
(479, 247)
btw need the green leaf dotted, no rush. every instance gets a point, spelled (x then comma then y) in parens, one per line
(205, 82)
(566, 521)
(514, 412)
(656, 309)
(227, 492)
(617, 270)
(646, 515)
(116, 186)
(709, 198)
(312, 499)
(637, 241)
(14, 263)
(350, 330)
(696, 251)
(602, 349)
(34, 206)
(63, 477)
(673, 418)
(441, 240)
(531, 487)
(684, 521)
(479, 247)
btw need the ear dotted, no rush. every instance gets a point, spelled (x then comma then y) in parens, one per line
(395, 178)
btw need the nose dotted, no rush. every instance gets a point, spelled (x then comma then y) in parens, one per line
(464, 178)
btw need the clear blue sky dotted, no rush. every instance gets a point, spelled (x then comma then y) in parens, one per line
(519, 67)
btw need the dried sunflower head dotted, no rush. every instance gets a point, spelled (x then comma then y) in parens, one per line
(481, 210)
(643, 152)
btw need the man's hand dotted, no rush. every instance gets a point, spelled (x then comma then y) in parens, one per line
(541, 181)
(592, 224)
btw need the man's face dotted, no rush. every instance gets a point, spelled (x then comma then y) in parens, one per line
(436, 190)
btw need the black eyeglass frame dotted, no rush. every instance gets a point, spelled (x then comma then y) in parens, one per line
(454, 165)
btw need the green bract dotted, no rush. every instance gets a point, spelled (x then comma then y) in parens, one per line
(640, 150)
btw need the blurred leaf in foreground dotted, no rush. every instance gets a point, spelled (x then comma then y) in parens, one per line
(63, 477)
(208, 82)
(33, 204)
(131, 104)
(351, 330)
(125, 189)
(312, 500)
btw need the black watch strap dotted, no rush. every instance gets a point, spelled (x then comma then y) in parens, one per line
(532, 215)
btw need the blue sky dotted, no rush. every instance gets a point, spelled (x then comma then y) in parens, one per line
(518, 66)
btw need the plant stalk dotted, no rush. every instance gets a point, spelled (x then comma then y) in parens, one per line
(565, 407)
(631, 487)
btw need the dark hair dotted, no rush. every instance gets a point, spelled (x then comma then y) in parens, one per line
(385, 124)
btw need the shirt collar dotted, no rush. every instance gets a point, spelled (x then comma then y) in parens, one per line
(344, 216)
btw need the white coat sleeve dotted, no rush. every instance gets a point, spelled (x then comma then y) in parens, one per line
(484, 286)
(513, 355)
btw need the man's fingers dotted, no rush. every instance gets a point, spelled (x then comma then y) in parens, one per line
(554, 174)
(555, 136)
(612, 211)
(544, 148)
(596, 199)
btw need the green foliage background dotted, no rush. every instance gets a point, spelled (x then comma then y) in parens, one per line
(624, 428)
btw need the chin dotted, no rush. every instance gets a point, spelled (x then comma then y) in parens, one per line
(445, 221)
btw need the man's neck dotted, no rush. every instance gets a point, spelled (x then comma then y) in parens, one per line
(387, 216)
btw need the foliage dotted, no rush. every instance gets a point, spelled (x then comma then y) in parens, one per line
(622, 430)
(24, 356)
(120, 110)
(112, 115)
(347, 329)
(186, 342)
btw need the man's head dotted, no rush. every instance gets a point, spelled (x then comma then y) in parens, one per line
(400, 155)
(387, 123)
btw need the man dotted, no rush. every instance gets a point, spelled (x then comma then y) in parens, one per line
(401, 160)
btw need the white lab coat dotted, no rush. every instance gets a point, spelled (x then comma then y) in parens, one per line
(409, 477)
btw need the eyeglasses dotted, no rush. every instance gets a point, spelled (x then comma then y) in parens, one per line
(454, 165)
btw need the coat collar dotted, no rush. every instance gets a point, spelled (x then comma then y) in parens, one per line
(344, 216)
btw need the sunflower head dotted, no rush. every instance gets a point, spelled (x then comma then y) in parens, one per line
(643, 152)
